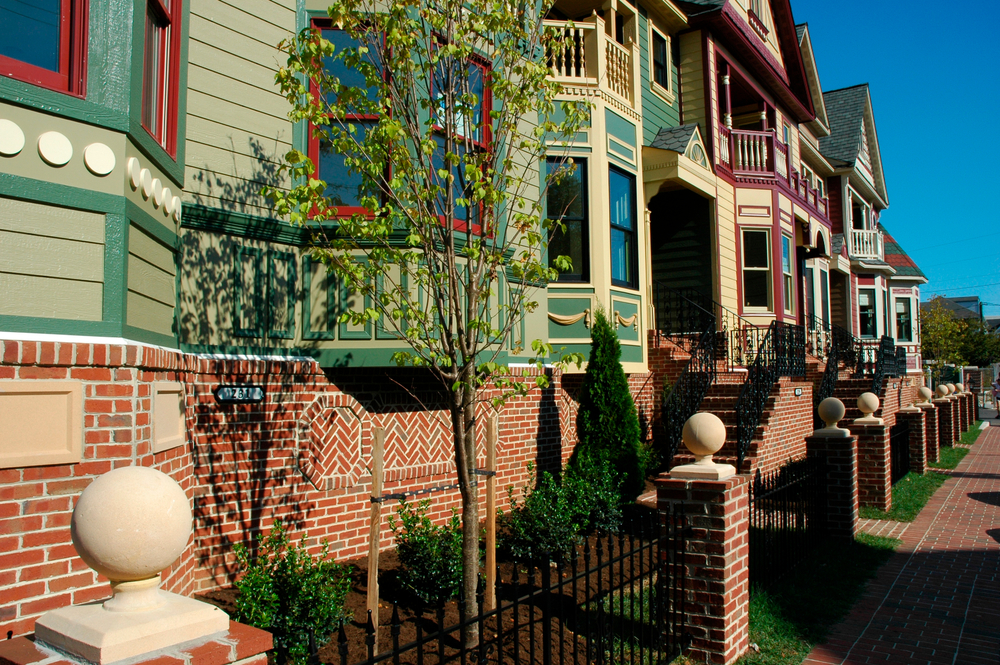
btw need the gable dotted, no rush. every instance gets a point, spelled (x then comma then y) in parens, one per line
(821, 125)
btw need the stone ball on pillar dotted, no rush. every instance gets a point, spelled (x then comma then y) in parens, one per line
(925, 394)
(941, 391)
(951, 388)
(831, 411)
(704, 434)
(960, 388)
(129, 525)
(868, 404)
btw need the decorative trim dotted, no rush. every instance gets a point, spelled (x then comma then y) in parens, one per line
(630, 322)
(570, 319)
(754, 211)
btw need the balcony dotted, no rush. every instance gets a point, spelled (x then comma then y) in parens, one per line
(759, 155)
(582, 54)
(865, 244)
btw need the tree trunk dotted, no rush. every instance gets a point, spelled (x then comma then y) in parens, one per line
(463, 423)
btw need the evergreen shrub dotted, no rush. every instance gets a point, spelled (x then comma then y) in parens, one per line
(285, 590)
(430, 555)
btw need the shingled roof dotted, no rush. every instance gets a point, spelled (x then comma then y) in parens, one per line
(900, 260)
(845, 110)
(674, 138)
(800, 30)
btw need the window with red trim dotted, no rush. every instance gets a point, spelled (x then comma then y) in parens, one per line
(459, 83)
(344, 188)
(44, 42)
(160, 71)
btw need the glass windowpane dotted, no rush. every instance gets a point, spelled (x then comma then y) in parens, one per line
(30, 32)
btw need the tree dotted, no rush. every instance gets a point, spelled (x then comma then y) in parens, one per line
(607, 423)
(939, 337)
(978, 345)
(443, 123)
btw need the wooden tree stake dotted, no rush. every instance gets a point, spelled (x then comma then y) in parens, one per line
(375, 533)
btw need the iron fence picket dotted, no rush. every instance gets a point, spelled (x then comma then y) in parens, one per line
(899, 450)
(786, 518)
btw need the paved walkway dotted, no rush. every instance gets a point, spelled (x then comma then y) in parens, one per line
(937, 600)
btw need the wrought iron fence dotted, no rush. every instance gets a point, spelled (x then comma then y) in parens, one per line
(899, 449)
(685, 396)
(621, 599)
(787, 509)
(878, 360)
(781, 353)
(838, 346)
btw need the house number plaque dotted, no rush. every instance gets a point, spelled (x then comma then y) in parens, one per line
(239, 394)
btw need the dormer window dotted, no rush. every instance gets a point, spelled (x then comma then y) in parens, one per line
(860, 212)
(659, 56)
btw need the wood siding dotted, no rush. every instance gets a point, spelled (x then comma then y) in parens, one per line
(725, 205)
(237, 122)
(151, 279)
(656, 111)
(692, 82)
(51, 261)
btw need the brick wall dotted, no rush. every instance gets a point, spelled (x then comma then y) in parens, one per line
(302, 455)
(789, 422)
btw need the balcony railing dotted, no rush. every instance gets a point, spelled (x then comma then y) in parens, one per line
(865, 244)
(754, 154)
(582, 54)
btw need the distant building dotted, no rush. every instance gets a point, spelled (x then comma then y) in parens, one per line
(966, 307)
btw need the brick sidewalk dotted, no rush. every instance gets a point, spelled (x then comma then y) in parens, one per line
(937, 600)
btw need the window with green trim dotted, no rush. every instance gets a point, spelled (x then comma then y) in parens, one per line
(264, 293)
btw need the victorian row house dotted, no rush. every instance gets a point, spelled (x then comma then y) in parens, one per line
(725, 215)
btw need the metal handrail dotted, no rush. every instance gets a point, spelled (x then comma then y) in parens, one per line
(781, 353)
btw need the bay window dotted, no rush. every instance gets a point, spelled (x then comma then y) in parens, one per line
(756, 269)
(904, 321)
(160, 71)
(44, 42)
(567, 203)
(624, 251)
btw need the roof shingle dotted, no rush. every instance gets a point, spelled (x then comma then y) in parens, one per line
(899, 259)
(845, 110)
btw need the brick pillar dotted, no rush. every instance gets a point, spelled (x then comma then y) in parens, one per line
(874, 466)
(931, 436)
(946, 434)
(717, 563)
(956, 418)
(974, 406)
(841, 457)
(962, 403)
(914, 418)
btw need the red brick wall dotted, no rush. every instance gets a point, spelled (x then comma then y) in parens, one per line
(302, 455)
(789, 423)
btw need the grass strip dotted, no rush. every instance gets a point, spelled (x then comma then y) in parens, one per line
(949, 458)
(790, 618)
(970, 436)
(909, 496)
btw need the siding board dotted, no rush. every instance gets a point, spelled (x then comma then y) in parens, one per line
(46, 297)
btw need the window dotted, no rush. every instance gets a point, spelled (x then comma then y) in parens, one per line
(44, 42)
(786, 271)
(824, 294)
(786, 133)
(464, 85)
(660, 55)
(756, 269)
(624, 252)
(860, 214)
(810, 296)
(344, 188)
(567, 202)
(866, 313)
(885, 312)
(904, 324)
(160, 70)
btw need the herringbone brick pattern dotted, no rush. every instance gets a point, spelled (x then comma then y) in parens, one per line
(938, 598)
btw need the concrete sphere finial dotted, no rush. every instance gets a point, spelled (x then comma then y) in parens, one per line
(131, 523)
(941, 391)
(960, 387)
(868, 404)
(951, 388)
(831, 411)
(704, 434)
(925, 394)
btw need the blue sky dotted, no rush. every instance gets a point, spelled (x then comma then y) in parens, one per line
(937, 111)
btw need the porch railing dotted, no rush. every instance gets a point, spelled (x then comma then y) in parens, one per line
(877, 360)
(580, 53)
(865, 244)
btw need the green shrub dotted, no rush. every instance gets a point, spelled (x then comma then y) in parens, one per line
(594, 495)
(607, 423)
(543, 526)
(431, 555)
(285, 590)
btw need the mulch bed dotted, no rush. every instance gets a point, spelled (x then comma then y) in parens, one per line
(565, 632)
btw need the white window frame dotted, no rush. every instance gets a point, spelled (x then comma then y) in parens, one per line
(853, 195)
(769, 270)
(668, 92)
(895, 320)
(788, 278)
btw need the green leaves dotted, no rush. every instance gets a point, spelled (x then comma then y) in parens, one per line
(431, 555)
(286, 591)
